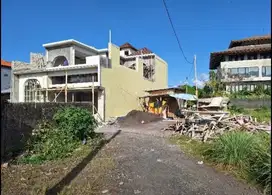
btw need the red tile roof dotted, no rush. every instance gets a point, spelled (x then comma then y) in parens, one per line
(5, 63)
(264, 39)
(127, 45)
(216, 57)
(141, 51)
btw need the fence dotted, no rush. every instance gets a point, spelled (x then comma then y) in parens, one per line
(251, 103)
(19, 119)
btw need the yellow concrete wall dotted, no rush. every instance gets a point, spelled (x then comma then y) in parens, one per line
(123, 86)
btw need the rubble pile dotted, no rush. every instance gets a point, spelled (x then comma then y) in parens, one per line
(135, 117)
(207, 127)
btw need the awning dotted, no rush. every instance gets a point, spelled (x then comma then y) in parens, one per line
(184, 96)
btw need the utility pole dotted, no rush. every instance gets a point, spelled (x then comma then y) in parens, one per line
(66, 80)
(196, 91)
(93, 94)
(186, 85)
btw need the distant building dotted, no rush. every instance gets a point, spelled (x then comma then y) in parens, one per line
(5, 79)
(70, 70)
(245, 64)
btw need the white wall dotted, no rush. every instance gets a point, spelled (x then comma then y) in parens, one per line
(122, 52)
(41, 77)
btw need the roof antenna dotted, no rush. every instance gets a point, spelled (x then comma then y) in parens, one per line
(110, 36)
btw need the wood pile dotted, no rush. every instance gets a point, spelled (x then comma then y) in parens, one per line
(207, 127)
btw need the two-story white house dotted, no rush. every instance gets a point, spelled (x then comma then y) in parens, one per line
(245, 64)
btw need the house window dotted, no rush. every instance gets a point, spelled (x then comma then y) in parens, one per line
(233, 71)
(58, 80)
(265, 56)
(32, 90)
(241, 57)
(5, 75)
(126, 53)
(81, 78)
(252, 57)
(60, 61)
(244, 71)
(253, 71)
(266, 71)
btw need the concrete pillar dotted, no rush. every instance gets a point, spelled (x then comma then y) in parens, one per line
(101, 104)
(46, 96)
(140, 66)
(73, 97)
(226, 58)
(72, 56)
(260, 71)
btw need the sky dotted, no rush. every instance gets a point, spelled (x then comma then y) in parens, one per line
(202, 27)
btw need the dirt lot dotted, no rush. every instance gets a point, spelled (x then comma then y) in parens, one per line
(137, 161)
(39, 179)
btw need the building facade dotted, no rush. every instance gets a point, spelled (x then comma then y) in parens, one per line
(5, 75)
(70, 71)
(245, 64)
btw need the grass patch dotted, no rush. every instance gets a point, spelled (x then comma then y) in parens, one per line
(247, 156)
(262, 114)
(36, 179)
(192, 147)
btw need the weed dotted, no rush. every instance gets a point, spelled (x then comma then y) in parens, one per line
(58, 139)
(232, 148)
(262, 114)
(248, 156)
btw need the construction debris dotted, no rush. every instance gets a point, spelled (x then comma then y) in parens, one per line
(4, 165)
(135, 118)
(209, 126)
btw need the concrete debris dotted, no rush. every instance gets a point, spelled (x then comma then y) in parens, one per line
(137, 191)
(208, 127)
(4, 165)
(105, 191)
(200, 162)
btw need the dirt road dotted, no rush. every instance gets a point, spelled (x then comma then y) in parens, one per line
(146, 163)
(138, 160)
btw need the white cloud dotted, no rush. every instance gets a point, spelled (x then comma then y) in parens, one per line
(202, 79)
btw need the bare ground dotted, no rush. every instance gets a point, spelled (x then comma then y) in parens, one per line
(139, 160)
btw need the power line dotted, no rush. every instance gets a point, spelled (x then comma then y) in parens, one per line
(175, 32)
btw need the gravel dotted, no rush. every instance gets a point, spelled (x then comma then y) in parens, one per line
(148, 164)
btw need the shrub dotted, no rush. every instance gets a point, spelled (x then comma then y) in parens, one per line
(57, 140)
(77, 122)
(250, 153)
(236, 110)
